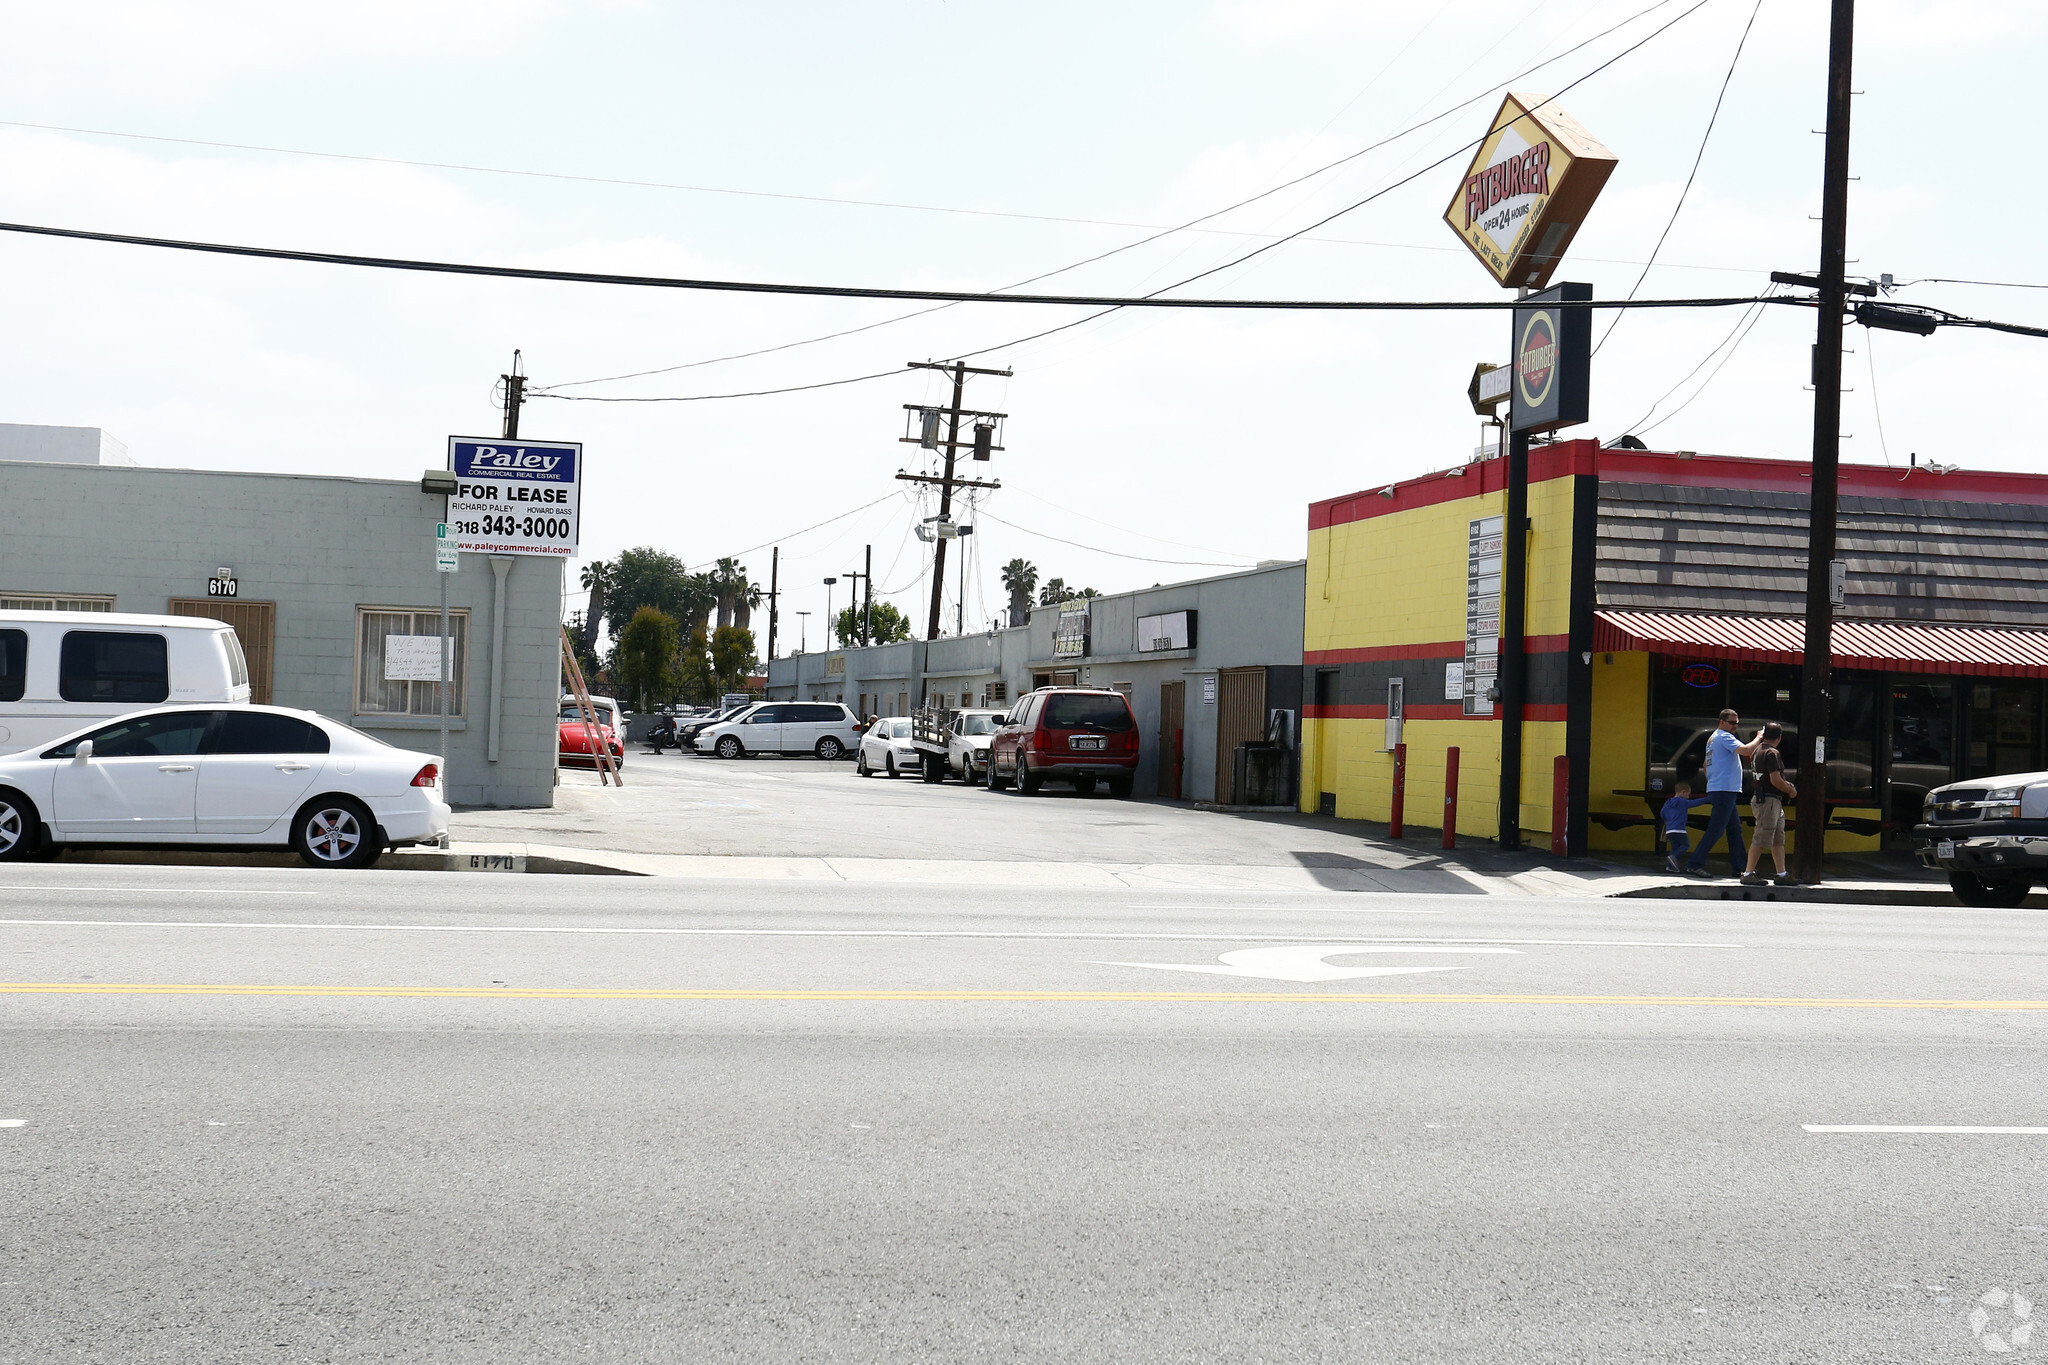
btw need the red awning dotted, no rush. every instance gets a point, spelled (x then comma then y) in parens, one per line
(1892, 646)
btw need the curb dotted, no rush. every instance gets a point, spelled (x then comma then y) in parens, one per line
(1937, 897)
(403, 860)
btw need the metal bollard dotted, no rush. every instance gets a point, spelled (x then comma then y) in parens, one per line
(1560, 806)
(1400, 790)
(1451, 797)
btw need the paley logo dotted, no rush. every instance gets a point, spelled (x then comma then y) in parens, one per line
(514, 462)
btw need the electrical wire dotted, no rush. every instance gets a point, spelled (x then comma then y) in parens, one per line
(1870, 358)
(777, 540)
(1093, 549)
(1691, 175)
(1706, 383)
(1987, 284)
(1125, 530)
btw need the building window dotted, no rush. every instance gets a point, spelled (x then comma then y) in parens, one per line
(41, 601)
(398, 679)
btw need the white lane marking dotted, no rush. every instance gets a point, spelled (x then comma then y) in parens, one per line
(1304, 962)
(1917, 1128)
(1305, 909)
(13, 1123)
(167, 890)
(824, 933)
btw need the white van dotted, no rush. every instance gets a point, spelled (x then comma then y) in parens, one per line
(61, 670)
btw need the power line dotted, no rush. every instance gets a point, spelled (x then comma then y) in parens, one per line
(1691, 175)
(841, 291)
(1205, 549)
(776, 540)
(1987, 284)
(1094, 549)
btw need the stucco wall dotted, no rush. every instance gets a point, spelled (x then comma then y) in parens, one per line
(318, 547)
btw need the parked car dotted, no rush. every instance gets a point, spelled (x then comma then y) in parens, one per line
(825, 729)
(1066, 734)
(954, 742)
(248, 777)
(687, 729)
(886, 747)
(574, 733)
(60, 670)
(1990, 834)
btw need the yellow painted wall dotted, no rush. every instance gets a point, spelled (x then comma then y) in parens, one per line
(1621, 749)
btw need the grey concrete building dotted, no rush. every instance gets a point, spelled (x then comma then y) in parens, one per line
(326, 571)
(1217, 656)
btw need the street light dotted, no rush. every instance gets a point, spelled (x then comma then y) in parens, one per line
(828, 611)
(803, 626)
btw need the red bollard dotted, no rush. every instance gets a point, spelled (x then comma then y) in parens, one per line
(1451, 797)
(1400, 790)
(1560, 806)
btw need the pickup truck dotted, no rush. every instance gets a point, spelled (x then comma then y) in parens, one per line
(954, 742)
(1989, 834)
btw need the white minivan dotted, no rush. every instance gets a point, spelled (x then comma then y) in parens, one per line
(825, 729)
(61, 670)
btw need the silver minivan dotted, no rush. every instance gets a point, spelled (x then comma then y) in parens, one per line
(821, 728)
(60, 670)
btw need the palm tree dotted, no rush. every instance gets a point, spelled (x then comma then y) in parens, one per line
(597, 577)
(743, 604)
(1020, 577)
(728, 580)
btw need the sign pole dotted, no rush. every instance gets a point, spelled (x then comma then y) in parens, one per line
(445, 561)
(1514, 662)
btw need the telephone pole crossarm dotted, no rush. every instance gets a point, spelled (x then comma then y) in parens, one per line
(957, 483)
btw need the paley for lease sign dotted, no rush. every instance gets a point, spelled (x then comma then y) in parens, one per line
(515, 497)
(1528, 188)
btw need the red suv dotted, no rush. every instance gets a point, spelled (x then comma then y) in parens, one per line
(1068, 734)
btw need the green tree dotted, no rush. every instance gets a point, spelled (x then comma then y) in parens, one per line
(693, 670)
(891, 625)
(645, 658)
(1020, 578)
(597, 577)
(732, 658)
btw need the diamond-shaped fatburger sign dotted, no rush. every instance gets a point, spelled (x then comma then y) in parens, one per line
(1527, 190)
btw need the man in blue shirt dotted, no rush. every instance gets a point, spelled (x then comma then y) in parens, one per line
(1725, 755)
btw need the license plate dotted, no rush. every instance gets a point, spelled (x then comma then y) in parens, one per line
(1087, 742)
(1945, 849)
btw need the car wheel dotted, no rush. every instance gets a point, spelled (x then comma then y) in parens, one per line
(336, 831)
(18, 826)
(1120, 787)
(2000, 893)
(930, 771)
(1085, 786)
(891, 762)
(860, 764)
(830, 749)
(729, 746)
(996, 782)
(1028, 782)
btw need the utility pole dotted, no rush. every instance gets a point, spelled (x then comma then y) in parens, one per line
(948, 482)
(867, 578)
(860, 625)
(1514, 620)
(774, 595)
(515, 394)
(1818, 676)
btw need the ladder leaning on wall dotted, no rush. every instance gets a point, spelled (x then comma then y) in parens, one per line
(608, 771)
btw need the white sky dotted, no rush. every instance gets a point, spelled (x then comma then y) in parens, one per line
(1143, 433)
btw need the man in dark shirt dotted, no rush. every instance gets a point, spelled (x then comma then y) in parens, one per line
(1773, 789)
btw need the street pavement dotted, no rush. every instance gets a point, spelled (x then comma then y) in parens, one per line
(282, 1115)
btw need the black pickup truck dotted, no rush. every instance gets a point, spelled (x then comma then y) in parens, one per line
(1989, 834)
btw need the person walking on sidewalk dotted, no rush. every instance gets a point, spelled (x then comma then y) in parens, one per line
(1676, 812)
(1773, 789)
(1725, 754)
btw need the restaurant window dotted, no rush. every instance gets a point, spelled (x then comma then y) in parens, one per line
(1852, 739)
(2005, 728)
(1923, 743)
(398, 679)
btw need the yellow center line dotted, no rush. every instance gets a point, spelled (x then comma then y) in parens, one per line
(966, 996)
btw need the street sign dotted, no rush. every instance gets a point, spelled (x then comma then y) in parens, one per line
(1489, 388)
(1552, 355)
(515, 497)
(447, 558)
(1528, 188)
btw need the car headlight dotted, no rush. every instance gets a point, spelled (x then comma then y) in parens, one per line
(2003, 794)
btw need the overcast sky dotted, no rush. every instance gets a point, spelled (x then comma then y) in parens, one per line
(985, 143)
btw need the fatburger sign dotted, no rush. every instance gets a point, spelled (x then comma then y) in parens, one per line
(1551, 359)
(1528, 188)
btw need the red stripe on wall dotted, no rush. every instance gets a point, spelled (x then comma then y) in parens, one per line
(1467, 481)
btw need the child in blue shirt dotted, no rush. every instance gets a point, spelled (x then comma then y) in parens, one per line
(1675, 833)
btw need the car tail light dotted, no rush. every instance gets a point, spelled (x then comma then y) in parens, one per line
(1130, 741)
(427, 776)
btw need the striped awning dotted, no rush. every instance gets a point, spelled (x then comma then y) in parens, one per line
(1891, 646)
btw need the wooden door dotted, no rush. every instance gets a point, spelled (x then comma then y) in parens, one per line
(1173, 700)
(1240, 719)
(255, 626)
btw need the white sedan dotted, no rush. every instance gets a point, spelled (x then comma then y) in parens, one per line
(250, 777)
(886, 748)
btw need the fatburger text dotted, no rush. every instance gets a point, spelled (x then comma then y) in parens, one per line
(1528, 173)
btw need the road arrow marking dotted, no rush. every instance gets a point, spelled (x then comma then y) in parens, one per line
(1305, 962)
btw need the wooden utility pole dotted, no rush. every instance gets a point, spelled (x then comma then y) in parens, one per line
(1815, 702)
(774, 595)
(948, 481)
(515, 394)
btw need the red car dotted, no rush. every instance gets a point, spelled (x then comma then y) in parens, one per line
(575, 734)
(1066, 734)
